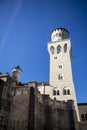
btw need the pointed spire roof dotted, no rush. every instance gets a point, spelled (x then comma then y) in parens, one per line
(17, 67)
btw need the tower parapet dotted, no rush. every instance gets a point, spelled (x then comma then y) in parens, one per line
(59, 34)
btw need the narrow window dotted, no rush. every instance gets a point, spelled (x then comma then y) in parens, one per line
(60, 77)
(58, 93)
(68, 92)
(64, 91)
(58, 49)
(54, 92)
(65, 48)
(52, 49)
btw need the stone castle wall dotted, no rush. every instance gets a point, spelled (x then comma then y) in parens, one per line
(29, 110)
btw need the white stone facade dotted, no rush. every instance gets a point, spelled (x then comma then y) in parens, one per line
(61, 84)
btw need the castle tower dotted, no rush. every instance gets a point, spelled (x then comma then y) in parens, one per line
(16, 73)
(60, 67)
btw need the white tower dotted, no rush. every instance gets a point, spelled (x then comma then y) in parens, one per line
(16, 73)
(60, 67)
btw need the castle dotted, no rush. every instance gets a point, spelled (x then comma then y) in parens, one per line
(44, 106)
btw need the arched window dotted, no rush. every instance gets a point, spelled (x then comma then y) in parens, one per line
(52, 49)
(68, 92)
(54, 92)
(64, 91)
(58, 93)
(65, 48)
(58, 49)
(60, 77)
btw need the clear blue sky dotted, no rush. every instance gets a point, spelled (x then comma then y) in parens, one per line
(25, 28)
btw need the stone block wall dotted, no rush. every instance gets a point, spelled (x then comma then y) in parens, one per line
(18, 117)
(59, 115)
(5, 100)
(29, 110)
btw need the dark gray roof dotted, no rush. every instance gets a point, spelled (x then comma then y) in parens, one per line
(17, 67)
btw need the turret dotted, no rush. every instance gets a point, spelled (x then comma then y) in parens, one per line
(59, 34)
(16, 73)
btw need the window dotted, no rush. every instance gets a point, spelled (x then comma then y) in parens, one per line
(52, 49)
(55, 57)
(54, 98)
(58, 93)
(60, 77)
(60, 66)
(54, 92)
(65, 48)
(66, 91)
(84, 117)
(60, 34)
(58, 49)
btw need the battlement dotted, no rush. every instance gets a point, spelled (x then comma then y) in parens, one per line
(59, 34)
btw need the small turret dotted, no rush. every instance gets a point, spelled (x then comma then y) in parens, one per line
(16, 73)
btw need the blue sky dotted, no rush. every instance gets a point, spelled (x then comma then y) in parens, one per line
(25, 28)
